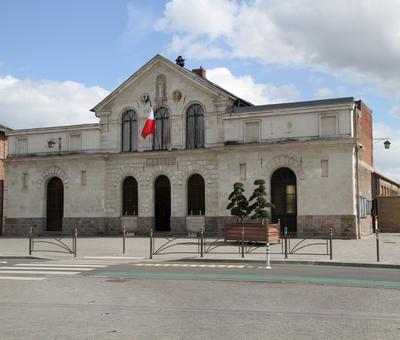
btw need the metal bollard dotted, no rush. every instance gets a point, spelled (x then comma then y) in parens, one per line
(268, 252)
(286, 236)
(242, 242)
(75, 239)
(151, 244)
(377, 243)
(330, 243)
(123, 239)
(30, 240)
(201, 241)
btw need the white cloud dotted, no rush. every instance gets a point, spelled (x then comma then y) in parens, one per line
(358, 38)
(196, 49)
(246, 88)
(387, 162)
(211, 18)
(323, 92)
(27, 103)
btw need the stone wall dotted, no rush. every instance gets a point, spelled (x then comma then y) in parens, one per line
(343, 226)
(20, 226)
(3, 156)
(389, 214)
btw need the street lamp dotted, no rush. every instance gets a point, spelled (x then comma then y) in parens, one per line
(386, 142)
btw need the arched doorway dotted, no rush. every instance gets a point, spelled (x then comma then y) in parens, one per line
(196, 195)
(130, 197)
(284, 198)
(162, 203)
(55, 204)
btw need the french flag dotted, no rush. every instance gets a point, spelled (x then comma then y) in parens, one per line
(150, 126)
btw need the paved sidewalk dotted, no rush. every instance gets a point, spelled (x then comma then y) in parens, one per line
(138, 248)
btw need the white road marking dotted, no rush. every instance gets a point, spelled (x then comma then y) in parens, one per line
(3, 261)
(114, 257)
(43, 272)
(22, 278)
(61, 265)
(47, 268)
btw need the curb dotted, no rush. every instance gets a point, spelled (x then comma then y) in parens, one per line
(295, 262)
(26, 257)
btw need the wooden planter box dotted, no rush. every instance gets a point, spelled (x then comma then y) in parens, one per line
(252, 232)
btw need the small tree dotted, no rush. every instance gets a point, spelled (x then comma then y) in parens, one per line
(259, 202)
(238, 202)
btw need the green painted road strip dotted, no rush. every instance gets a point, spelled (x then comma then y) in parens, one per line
(251, 277)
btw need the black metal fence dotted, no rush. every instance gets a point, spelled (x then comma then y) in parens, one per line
(201, 243)
(57, 244)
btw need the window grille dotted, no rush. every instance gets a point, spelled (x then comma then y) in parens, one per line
(365, 206)
(161, 139)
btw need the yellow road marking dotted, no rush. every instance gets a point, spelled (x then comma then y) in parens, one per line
(186, 265)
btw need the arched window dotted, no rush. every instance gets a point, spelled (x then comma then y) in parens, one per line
(195, 127)
(129, 131)
(196, 195)
(284, 198)
(161, 137)
(130, 197)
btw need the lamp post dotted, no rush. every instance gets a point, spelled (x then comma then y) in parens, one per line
(52, 142)
(386, 142)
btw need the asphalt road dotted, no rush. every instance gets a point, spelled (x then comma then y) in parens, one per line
(179, 301)
(346, 276)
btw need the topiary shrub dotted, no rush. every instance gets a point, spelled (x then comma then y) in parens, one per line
(260, 203)
(238, 204)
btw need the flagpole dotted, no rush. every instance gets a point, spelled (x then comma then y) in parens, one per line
(159, 146)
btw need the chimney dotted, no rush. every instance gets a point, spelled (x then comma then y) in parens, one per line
(200, 71)
(180, 61)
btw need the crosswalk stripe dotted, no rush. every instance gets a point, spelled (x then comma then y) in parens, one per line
(44, 272)
(60, 265)
(22, 278)
(47, 268)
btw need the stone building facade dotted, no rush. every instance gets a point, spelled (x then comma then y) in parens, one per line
(3, 156)
(315, 157)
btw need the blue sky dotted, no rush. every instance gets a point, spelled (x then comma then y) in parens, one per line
(59, 58)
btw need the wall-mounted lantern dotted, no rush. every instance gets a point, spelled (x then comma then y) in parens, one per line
(51, 143)
(386, 142)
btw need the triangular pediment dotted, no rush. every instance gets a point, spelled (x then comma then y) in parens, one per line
(159, 61)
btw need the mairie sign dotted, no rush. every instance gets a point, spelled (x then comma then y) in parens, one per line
(160, 161)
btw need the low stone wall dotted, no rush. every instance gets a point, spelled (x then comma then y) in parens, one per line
(343, 226)
(20, 226)
(96, 226)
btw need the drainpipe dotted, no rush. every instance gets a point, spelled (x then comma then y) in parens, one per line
(356, 139)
